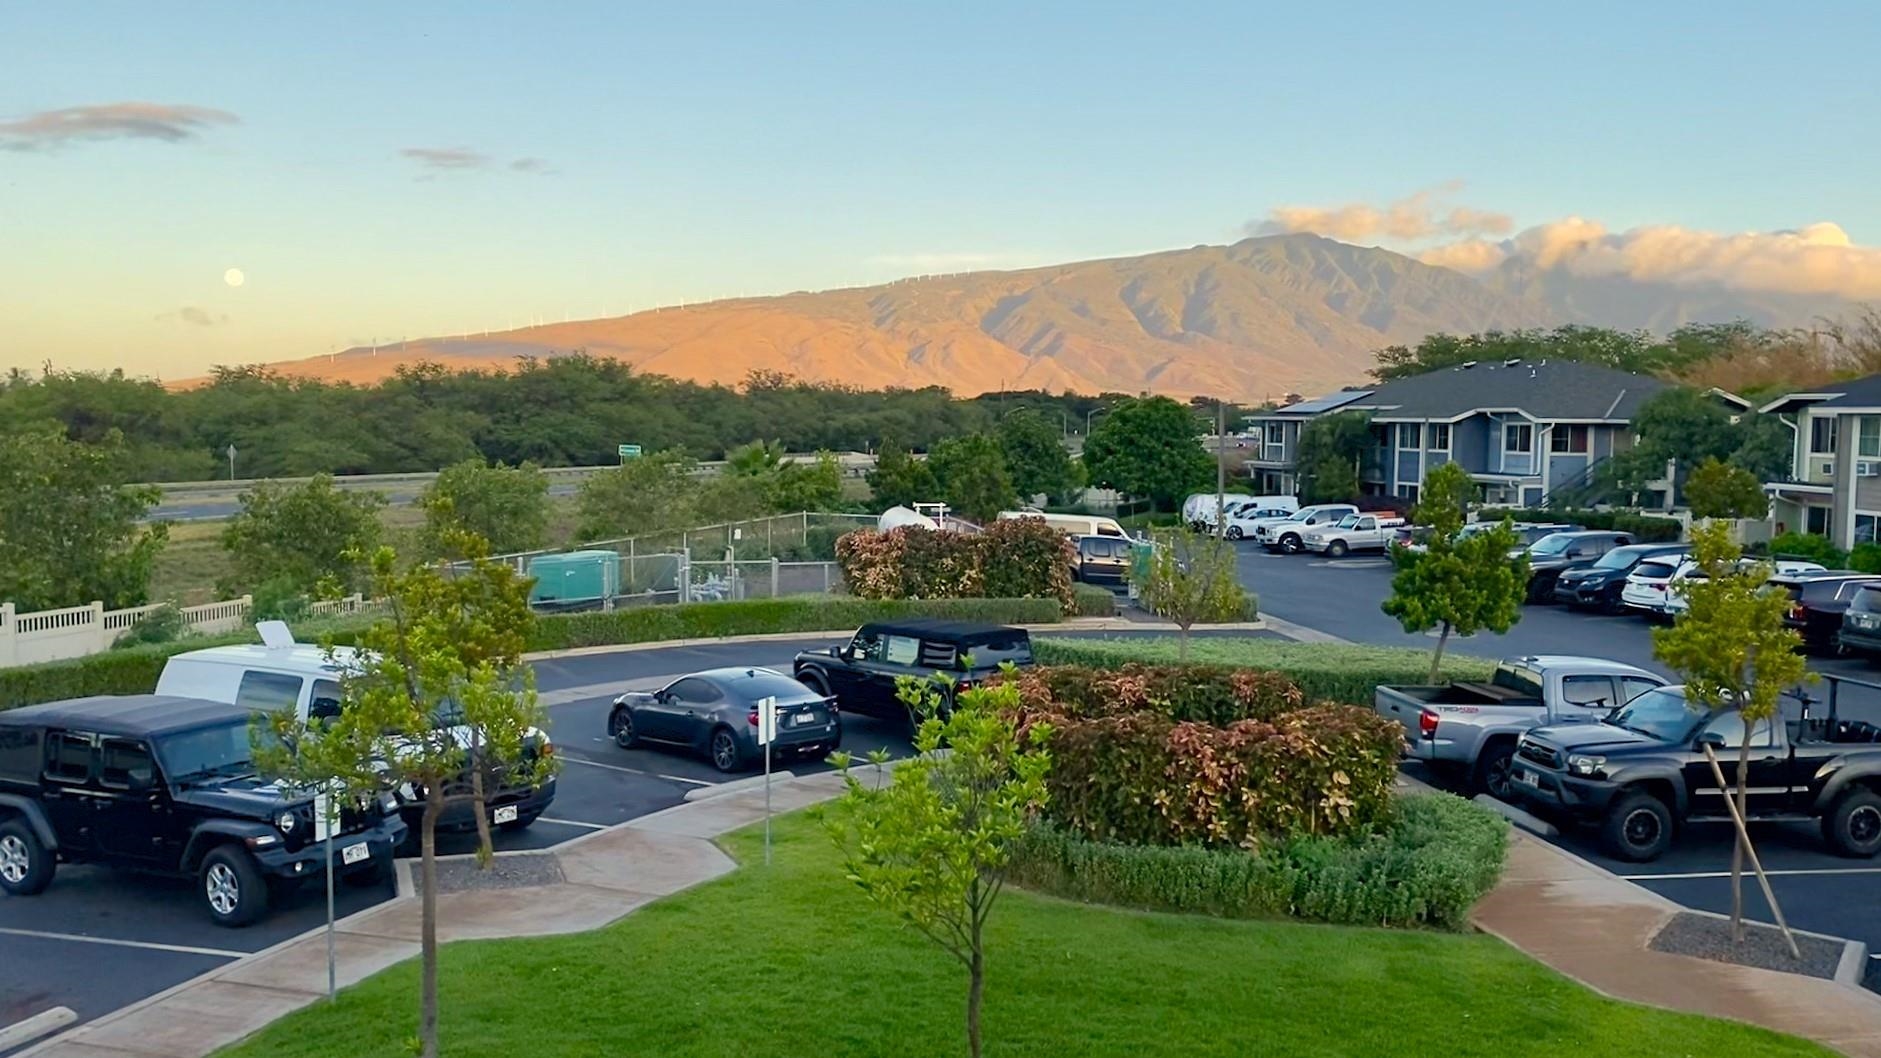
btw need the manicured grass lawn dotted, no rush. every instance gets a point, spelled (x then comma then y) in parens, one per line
(790, 960)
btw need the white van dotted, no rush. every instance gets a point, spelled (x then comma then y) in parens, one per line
(281, 674)
(1198, 511)
(1072, 524)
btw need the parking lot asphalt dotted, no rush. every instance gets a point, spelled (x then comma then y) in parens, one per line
(1818, 890)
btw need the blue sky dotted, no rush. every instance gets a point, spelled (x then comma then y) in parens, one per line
(730, 149)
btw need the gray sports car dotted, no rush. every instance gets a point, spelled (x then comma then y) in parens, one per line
(716, 713)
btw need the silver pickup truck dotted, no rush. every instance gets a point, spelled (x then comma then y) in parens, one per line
(1470, 728)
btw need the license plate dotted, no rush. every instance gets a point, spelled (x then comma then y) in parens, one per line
(505, 814)
(803, 718)
(352, 854)
(1526, 777)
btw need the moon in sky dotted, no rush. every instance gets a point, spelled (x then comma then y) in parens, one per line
(234, 277)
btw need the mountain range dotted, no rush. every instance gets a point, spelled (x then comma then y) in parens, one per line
(1268, 315)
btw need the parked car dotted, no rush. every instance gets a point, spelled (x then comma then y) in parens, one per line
(715, 713)
(280, 674)
(1103, 560)
(1354, 532)
(1648, 588)
(861, 674)
(1287, 535)
(1641, 774)
(1678, 599)
(1817, 602)
(1558, 553)
(1470, 727)
(1245, 520)
(1526, 533)
(1072, 524)
(1599, 586)
(165, 785)
(1861, 623)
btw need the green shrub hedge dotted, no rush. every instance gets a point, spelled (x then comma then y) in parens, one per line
(134, 670)
(1330, 672)
(1645, 528)
(1089, 600)
(1178, 755)
(1428, 867)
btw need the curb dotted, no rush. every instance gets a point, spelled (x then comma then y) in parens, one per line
(1540, 827)
(749, 782)
(26, 1030)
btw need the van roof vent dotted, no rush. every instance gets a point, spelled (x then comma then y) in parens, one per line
(275, 635)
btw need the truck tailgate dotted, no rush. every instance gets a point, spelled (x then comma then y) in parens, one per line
(1402, 705)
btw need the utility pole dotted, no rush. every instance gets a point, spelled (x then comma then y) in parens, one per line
(1221, 469)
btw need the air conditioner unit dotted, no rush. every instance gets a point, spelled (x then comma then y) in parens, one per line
(1868, 468)
(1828, 468)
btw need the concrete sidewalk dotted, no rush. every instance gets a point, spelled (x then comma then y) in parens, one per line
(605, 875)
(1596, 927)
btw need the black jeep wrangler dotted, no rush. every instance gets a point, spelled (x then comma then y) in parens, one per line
(166, 785)
(861, 674)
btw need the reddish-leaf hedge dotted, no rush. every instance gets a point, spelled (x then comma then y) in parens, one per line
(1169, 755)
(1016, 558)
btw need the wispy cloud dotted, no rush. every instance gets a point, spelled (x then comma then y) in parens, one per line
(195, 316)
(434, 160)
(170, 123)
(1421, 215)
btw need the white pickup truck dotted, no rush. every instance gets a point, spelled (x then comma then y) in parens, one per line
(1470, 728)
(1364, 531)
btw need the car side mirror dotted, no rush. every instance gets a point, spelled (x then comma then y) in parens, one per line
(1712, 739)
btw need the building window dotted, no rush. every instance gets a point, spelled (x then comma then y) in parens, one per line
(1440, 437)
(1518, 437)
(1816, 521)
(1409, 492)
(1868, 437)
(1822, 435)
(1381, 434)
(1570, 439)
(1410, 435)
(1276, 433)
(1866, 522)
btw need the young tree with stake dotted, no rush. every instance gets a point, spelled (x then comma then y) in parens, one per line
(931, 844)
(438, 702)
(1734, 652)
(1193, 579)
(1458, 583)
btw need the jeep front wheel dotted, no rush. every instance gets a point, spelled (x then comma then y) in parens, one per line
(1853, 826)
(25, 863)
(1638, 828)
(232, 887)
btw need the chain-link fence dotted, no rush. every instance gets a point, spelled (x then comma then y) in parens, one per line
(767, 579)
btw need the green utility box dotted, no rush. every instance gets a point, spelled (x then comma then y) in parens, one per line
(574, 579)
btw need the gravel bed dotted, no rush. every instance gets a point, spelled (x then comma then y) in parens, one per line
(521, 871)
(1705, 937)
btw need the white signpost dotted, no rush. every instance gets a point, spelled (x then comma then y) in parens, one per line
(326, 822)
(767, 734)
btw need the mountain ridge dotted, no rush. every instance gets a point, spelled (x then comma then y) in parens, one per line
(1249, 320)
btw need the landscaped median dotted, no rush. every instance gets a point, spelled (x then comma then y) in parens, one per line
(134, 670)
(1336, 673)
(791, 959)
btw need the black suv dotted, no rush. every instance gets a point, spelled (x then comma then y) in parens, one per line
(1557, 553)
(166, 785)
(1600, 584)
(1641, 772)
(861, 675)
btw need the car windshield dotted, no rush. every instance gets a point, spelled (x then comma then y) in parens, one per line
(1619, 558)
(1552, 544)
(1867, 600)
(1653, 570)
(1522, 681)
(1660, 714)
(224, 750)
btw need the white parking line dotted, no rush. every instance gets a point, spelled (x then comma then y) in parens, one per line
(571, 823)
(636, 771)
(1773, 874)
(180, 949)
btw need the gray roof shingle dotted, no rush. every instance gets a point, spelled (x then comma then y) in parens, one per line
(1544, 389)
(1855, 393)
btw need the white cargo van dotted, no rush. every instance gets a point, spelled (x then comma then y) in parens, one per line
(1072, 524)
(1198, 511)
(280, 674)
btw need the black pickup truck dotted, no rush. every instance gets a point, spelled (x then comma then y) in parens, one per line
(1641, 773)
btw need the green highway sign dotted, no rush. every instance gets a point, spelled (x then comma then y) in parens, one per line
(629, 452)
